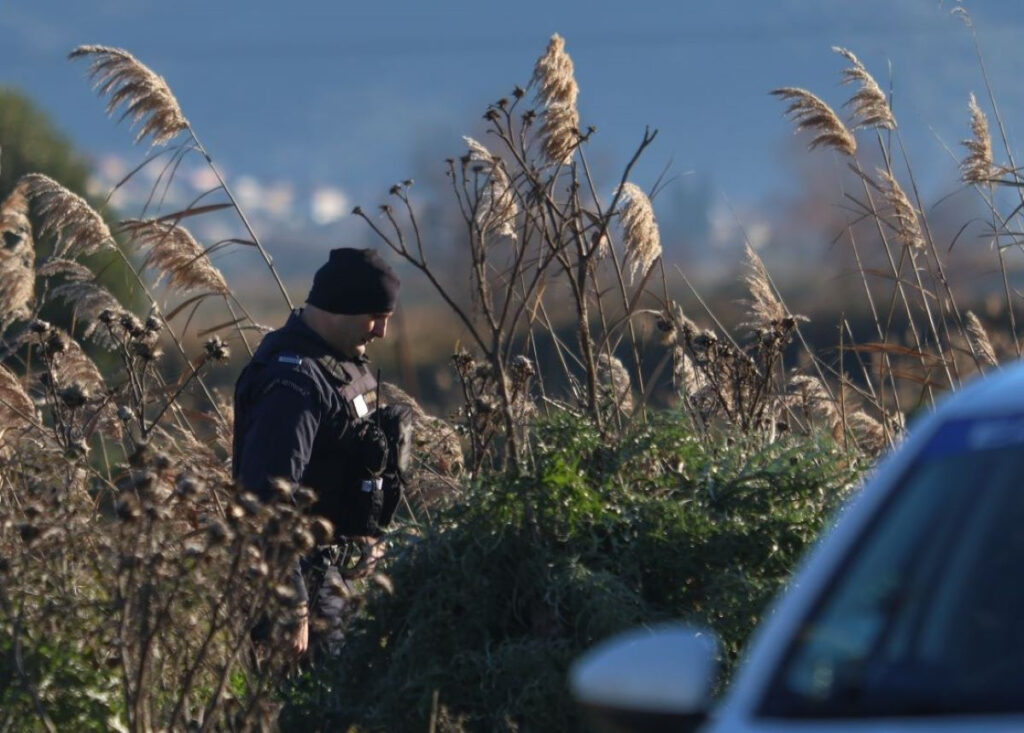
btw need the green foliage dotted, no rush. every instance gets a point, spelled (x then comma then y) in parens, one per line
(493, 602)
(56, 679)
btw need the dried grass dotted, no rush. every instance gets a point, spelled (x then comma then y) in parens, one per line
(979, 340)
(90, 300)
(641, 236)
(811, 113)
(869, 104)
(764, 310)
(496, 208)
(16, 407)
(905, 223)
(146, 97)
(615, 383)
(80, 231)
(17, 255)
(557, 91)
(176, 255)
(977, 165)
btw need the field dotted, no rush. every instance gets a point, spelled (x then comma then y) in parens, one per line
(620, 448)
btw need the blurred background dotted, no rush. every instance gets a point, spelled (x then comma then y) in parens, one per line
(312, 109)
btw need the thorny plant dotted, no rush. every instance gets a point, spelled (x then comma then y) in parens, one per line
(132, 568)
(540, 238)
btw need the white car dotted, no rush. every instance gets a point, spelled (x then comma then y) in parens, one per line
(907, 616)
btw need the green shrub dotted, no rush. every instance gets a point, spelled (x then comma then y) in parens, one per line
(493, 602)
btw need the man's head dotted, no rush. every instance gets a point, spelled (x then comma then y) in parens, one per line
(352, 297)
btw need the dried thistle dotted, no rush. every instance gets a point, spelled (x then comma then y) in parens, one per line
(811, 113)
(977, 166)
(557, 92)
(763, 309)
(90, 301)
(176, 255)
(869, 104)
(145, 95)
(642, 239)
(979, 341)
(80, 231)
(906, 224)
(496, 209)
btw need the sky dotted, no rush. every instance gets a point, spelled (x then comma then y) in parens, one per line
(313, 107)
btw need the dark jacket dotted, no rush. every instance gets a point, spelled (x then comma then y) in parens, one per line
(294, 404)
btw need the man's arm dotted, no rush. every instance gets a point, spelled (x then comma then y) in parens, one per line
(282, 425)
(278, 443)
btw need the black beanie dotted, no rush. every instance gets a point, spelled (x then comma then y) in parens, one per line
(353, 282)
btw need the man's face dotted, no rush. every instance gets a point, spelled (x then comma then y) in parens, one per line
(351, 333)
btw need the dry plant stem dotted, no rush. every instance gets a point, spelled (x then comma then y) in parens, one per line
(177, 343)
(245, 221)
(992, 101)
(896, 274)
(874, 314)
(938, 275)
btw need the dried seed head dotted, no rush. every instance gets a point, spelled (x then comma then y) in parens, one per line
(905, 222)
(763, 309)
(323, 530)
(977, 166)
(80, 231)
(615, 382)
(146, 97)
(216, 349)
(809, 395)
(176, 255)
(641, 235)
(94, 306)
(811, 113)
(869, 104)
(557, 92)
(979, 341)
(496, 207)
(72, 366)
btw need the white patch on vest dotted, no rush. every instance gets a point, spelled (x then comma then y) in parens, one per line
(360, 404)
(289, 359)
(369, 485)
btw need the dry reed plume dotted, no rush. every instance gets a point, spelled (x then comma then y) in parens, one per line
(641, 236)
(764, 310)
(906, 223)
(176, 255)
(144, 94)
(869, 103)
(557, 91)
(977, 165)
(811, 113)
(92, 304)
(979, 340)
(80, 231)
(17, 255)
(16, 407)
(496, 207)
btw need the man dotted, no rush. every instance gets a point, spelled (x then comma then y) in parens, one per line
(305, 404)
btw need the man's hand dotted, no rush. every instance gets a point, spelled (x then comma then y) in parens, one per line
(300, 641)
